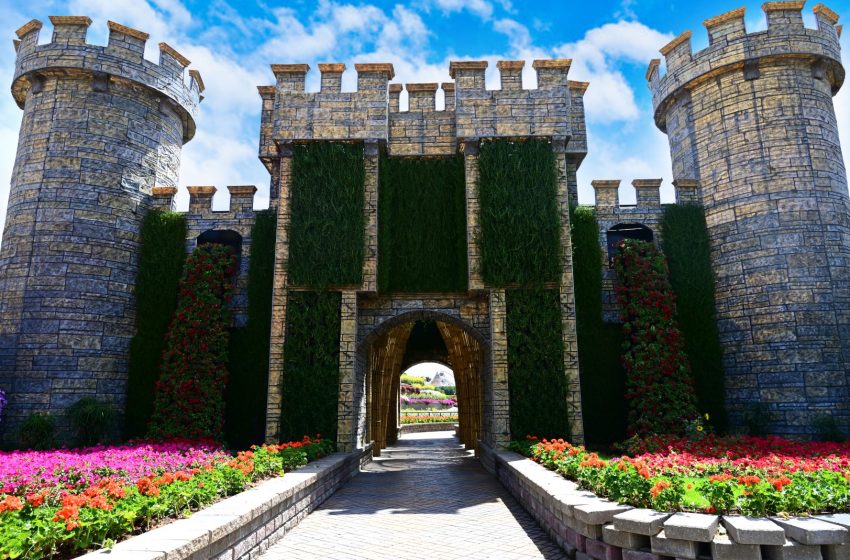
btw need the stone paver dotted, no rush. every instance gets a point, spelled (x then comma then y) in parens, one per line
(425, 497)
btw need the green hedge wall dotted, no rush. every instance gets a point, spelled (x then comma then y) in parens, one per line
(245, 396)
(161, 258)
(603, 379)
(686, 246)
(536, 380)
(311, 365)
(326, 232)
(520, 225)
(422, 225)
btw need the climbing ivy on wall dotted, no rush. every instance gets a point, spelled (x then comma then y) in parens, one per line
(326, 231)
(422, 225)
(688, 252)
(246, 392)
(189, 396)
(537, 385)
(602, 377)
(161, 258)
(310, 389)
(520, 225)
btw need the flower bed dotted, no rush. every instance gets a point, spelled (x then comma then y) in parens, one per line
(428, 419)
(57, 503)
(753, 476)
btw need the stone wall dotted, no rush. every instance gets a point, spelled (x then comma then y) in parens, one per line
(101, 128)
(372, 115)
(201, 218)
(751, 118)
(647, 211)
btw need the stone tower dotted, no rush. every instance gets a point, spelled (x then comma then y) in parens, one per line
(101, 128)
(751, 119)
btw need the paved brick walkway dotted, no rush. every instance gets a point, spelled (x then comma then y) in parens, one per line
(425, 497)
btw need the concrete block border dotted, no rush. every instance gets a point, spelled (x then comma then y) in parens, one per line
(427, 427)
(244, 525)
(588, 527)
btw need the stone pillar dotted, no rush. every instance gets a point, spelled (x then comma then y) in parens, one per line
(351, 399)
(568, 300)
(371, 161)
(497, 401)
(473, 226)
(279, 295)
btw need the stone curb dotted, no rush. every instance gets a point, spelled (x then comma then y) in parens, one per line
(588, 527)
(244, 525)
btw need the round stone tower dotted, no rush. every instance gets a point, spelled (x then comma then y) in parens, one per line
(101, 127)
(751, 119)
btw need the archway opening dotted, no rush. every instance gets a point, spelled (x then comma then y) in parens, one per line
(222, 237)
(621, 232)
(417, 341)
(427, 397)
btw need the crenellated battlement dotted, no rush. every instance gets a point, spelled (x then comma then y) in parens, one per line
(732, 48)
(121, 59)
(554, 109)
(422, 130)
(201, 200)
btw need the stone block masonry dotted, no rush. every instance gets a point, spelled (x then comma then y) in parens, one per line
(751, 118)
(372, 115)
(101, 128)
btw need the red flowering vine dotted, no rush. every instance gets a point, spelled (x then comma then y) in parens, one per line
(659, 384)
(189, 401)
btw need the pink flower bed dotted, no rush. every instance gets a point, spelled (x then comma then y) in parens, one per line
(79, 468)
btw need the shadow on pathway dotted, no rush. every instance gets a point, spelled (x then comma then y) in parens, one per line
(425, 497)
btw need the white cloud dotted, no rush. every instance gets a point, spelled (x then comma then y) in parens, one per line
(481, 8)
(596, 59)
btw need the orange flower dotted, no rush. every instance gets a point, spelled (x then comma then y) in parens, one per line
(147, 488)
(11, 503)
(659, 487)
(780, 483)
(748, 480)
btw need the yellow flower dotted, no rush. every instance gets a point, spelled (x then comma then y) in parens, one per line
(699, 428)
(706, 415)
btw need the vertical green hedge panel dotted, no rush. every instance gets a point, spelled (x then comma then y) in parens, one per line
(161, 258)
(326, 232)
(520, 225)
(688, 252)
(245, 411)
(536, 380)
(311, 365)
(422, 225)
(603, 380)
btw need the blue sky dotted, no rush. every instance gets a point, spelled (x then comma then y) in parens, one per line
(232, 44)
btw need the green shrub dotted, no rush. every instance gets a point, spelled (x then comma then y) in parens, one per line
(189, 400)
(310, 385)
(688, 252)
(603, 380)
(37, 432)
(520, 239)
(327, 227)
(826, 429)
(245, 395)
(92, 420)
(422, 225)
(447, 389)
(536, 380)
(161, 258)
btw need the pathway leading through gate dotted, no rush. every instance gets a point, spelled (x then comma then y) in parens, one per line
(425, 497)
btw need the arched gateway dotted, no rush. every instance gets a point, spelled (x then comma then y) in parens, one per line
(388, 342)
